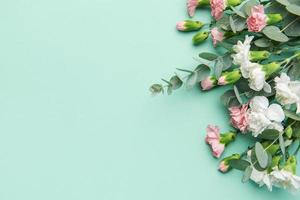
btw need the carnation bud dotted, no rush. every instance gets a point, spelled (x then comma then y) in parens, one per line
(259, 55)
(189, 25)
(272, 149)
(289, 131)
(200, 37)
(208, 83)
(229, 77)
(273, 18)
(203, 3)
(270, 68)
(275, 162)
(224, 164)
(227, 138)
(233, 2)
(291, 164)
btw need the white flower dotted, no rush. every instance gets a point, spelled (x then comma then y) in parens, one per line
(263, 116)
(257, 80)
(261, 178)
(242, 56)
(287, 91)
(249, 70)
(285, 179)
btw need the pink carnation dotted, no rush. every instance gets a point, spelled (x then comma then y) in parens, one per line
(217, 36)
(192, 6)
(217, 8)
(213, 139)
(257, 20)
(239, 117)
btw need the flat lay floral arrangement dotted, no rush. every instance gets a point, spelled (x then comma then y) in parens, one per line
(260, 60)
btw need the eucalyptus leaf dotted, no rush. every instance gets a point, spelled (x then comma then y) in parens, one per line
(292, 25)
(283, 2)
(218, 68)
(232, 25)
(282, 144)
(239, 164)
(269, 134)
(156, 89)
(237, 94)
(229, 99)
(261, 155)
(294, 9)
(262, 42)
(208, 56)
(191, 80)
(176, 82)
(247, 174)
(294, 71)
(274, 33)
(238, 12)
(292, 115)
(202, 71)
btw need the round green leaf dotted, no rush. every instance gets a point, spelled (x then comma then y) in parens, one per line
(274, 33)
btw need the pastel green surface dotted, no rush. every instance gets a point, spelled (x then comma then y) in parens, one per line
(77, 121)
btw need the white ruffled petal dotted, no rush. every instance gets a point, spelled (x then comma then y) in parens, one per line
(275, 113)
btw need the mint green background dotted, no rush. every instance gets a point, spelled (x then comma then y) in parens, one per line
(77, 121)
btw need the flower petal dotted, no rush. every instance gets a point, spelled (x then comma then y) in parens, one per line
(275, 113)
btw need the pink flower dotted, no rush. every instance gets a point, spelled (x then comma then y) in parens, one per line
(192, 6)
(239, 117)
(216, 35)
(208, 83)
(213, 139)
(180, 26)
(223, 167)
(257, 20)
(217, 8)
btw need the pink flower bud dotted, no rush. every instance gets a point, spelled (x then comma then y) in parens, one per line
(257, 20)
(223, 167)
(208, 83)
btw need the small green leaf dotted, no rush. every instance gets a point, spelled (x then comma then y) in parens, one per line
(269, 134)
(274, 33)
(291, 115)
(261, 155)
(237, 94)
(208, 56)
(282, 144)
(247, 174)
(239, 164)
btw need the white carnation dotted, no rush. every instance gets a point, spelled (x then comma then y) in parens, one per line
(285, 179)
(262, 116)
(287, 91)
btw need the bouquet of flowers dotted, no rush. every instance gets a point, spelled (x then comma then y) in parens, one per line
(260, 60)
